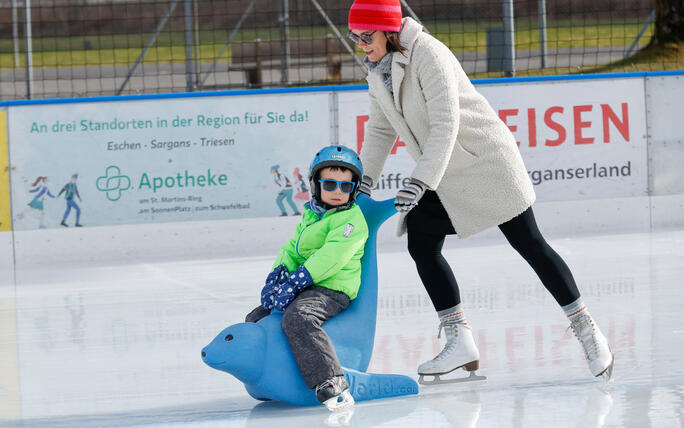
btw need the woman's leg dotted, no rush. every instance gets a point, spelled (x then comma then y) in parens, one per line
(433, 269)
(302, 324)
(524, 236)
(428, 224)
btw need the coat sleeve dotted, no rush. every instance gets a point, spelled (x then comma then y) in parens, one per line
(288, 252)
(338, 249)
(439, 84)
(378, 141)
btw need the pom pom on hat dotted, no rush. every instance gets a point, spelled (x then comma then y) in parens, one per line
(380, 15)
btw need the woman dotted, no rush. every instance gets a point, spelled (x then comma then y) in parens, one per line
(469, 175)
(302, 194)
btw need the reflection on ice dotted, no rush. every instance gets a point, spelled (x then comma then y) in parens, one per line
(120, 345)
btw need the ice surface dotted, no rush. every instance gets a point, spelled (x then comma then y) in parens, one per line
(119, 345)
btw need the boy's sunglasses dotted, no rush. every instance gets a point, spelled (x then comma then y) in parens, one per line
(366, 37)
(331, 185)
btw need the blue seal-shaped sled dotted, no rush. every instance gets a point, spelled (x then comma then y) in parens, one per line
(259, 355)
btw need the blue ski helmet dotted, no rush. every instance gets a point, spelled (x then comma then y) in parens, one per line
(335, 156)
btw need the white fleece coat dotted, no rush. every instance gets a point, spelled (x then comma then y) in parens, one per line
(462, 149)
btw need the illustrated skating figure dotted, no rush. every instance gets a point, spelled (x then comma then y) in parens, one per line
(469, 176)
(302, 195)
(285, 190)
(318, 272)
(70, 190)
(40, 188)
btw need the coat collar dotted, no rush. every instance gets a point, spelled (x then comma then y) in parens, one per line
(410, 30)
(407, 38)
(408, 35)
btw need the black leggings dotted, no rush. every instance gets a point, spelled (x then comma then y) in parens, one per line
(428, 226)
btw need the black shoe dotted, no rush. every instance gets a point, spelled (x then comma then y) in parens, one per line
(64, 224)
(297, 213)
(283, 215)
(79, 225)
(331, 388)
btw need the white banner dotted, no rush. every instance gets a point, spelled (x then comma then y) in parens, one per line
(164, 160)
(582, 139)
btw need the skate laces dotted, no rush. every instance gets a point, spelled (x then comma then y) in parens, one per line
(585, 330)
(452, 340)
(335, 382)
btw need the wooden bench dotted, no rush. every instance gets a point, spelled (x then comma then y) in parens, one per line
(254, 57)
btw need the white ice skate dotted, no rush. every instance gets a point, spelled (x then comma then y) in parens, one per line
(459, 352)
(595, 346)
(334, 394)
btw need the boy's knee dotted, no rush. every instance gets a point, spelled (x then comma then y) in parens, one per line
(294, 321)
(291, 319)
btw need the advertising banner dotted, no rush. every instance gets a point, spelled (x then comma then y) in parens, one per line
(5, 216)
(162, 160)
(581, 139)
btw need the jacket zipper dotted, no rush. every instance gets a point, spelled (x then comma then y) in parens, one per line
(302, 232)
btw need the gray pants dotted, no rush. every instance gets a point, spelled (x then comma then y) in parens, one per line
(302, 324)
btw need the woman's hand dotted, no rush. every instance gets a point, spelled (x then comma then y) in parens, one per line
(408, 197)
(366, 185)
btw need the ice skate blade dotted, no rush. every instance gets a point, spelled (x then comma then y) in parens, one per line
(334, 404)
(437, 381)
(608, 372)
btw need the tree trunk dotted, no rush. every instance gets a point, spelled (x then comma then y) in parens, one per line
(669, 22)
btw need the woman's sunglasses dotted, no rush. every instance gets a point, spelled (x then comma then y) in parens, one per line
(366, 37)
(332, 185)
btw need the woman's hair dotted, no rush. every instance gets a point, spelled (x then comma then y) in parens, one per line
(393, 44)
(38, 180)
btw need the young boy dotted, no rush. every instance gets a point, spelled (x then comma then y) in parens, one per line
(318, 272)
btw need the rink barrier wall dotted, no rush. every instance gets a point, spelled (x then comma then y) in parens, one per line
(649, 203)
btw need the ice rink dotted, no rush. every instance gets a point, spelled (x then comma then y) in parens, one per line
(118, 344)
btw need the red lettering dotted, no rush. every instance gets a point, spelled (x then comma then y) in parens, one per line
(621, 125)
(503, 114)
(514, 347)
(360, 131)
(361, 135)
(487, 348)
(579, 124)
(555, 126)
(538, 345)
(532, 127)
(559, 354)
(412, 349)
(398, 143)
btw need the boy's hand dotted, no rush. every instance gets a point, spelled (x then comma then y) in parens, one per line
(408, 197)
(288, 290)
(366, 185)
(273, 280)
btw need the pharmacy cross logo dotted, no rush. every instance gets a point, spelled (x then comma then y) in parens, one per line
(113, 183)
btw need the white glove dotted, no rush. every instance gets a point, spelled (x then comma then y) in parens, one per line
(408, 197)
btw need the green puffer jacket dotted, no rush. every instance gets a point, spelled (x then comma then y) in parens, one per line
(330, 247)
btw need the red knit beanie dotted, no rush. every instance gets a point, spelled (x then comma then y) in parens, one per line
(381, 15)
